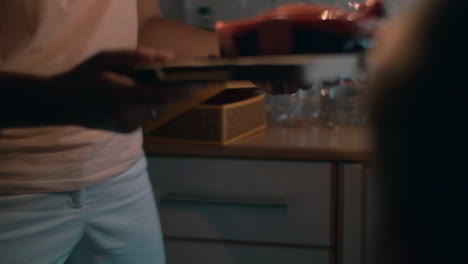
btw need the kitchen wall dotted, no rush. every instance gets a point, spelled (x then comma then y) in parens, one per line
(185, 10)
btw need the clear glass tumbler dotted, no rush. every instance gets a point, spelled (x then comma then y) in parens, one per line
(343, 102)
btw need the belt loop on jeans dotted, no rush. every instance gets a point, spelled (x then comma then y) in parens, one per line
(76, 199)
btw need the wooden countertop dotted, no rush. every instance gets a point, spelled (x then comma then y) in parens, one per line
(344, 143)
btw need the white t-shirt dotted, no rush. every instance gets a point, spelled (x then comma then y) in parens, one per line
(46, 37)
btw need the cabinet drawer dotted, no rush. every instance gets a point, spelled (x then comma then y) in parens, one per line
(245, 200)
(179, 252)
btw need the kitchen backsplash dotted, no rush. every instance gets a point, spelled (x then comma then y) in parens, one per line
(186, 10)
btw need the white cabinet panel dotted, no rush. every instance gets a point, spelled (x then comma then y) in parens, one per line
(179, 252)
(374, 207)
(352, 211)
(245, 200)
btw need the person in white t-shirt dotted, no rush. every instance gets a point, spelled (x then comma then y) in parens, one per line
(73, 181)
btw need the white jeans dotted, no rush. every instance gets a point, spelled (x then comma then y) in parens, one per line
(114, 222)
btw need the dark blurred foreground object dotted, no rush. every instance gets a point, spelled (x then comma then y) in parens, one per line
(299, 29)
(419, 110)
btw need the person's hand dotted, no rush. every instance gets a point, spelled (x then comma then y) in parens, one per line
(99, 92)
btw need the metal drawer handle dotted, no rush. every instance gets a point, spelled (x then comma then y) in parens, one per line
(179, 198)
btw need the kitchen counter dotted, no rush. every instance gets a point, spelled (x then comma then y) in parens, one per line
(344, 143)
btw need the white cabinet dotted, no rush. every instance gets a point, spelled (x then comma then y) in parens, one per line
(352, 199)
(358, 209)
(265, 211)
(245, 200)
(182, 252)
(261, 211)
(373, 211)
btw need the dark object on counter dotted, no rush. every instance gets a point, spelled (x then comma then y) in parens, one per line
(301, 29)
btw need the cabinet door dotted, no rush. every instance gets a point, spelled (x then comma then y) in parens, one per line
(352, 214)
(245, 200)
(358, 211)
(374, 207)
(183, 252)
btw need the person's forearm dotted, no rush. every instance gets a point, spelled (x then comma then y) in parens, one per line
(28, 100)
(185, 41)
